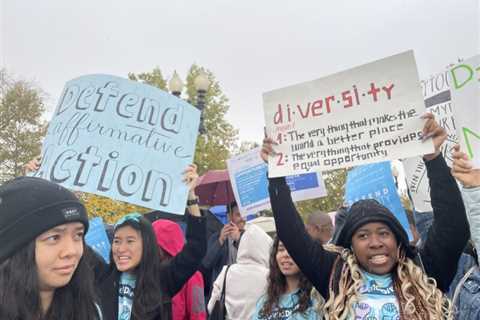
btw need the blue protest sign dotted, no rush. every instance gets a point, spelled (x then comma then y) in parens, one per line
(375, 181)
(121, 139)
(302, 181)
(252, 184)
(97, 238)
(248, 176)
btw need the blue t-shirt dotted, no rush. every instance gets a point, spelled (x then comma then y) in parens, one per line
(286, 309)
(125, 295)
(377, 299)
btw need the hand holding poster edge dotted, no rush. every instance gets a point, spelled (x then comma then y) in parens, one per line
(463, 171)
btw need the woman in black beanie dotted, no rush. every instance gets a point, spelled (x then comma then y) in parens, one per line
(43, 274)
(371, 274)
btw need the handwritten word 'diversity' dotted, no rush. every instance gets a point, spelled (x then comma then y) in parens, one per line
(325, 105)
(128, 105)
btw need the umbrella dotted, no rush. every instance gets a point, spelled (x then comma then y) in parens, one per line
(214, 188)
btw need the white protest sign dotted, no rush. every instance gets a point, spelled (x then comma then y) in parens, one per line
(248, 176)
(466, 100)
(363, 115)
(436, 92)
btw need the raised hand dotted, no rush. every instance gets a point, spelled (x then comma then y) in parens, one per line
(432, 129)
(190, 178)
(33, 165)
(463, 171)
(267, 149)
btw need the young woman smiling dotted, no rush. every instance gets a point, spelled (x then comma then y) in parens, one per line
(137, 285)
(288, 292)
(372, 274)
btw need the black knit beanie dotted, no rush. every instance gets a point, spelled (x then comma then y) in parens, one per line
(30, 206)
(366, 211)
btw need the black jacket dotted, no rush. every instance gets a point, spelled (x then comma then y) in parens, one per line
(215, 259)
(173, 274)
(445, 242)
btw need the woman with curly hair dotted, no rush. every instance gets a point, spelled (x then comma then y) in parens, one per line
(372, 273)
(288, 292)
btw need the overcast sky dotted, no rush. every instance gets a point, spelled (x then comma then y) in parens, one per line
(250, 46)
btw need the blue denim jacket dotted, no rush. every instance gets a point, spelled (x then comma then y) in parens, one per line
(467, 303)
(464, 264)
(423, 222)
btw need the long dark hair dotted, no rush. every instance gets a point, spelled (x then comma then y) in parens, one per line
(277, 285)
(20, 293)
(148, 292)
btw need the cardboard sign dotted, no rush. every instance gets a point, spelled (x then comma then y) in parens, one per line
(366, 114)
(97, 238)
(436, 90)
(121, 139)
(375, 181)
(466, 100)
(248, 176)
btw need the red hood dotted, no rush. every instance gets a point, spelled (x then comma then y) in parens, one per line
(169, 236)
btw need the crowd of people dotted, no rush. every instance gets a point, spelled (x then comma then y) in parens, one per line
(361, 267)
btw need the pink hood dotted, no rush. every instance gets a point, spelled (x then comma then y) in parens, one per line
(169, 236)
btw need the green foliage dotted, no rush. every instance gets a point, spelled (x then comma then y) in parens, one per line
(214, 147)
(154, 78)
(21, 126)
(245, 146)
(108, 209)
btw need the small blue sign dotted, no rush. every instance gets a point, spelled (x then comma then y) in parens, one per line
(375, 181)
(97, 238)
(252, 184)
(302, 181)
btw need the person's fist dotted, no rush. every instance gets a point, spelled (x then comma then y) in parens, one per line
(433, 130)
(32, 166)
(267, 149)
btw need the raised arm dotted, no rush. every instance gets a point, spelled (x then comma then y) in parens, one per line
(314, 262)
(187, 262)
(449, 232)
